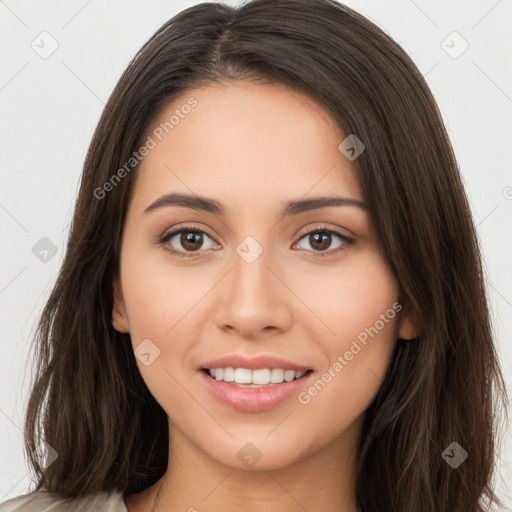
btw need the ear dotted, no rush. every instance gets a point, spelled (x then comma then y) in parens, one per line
(119, 316)
(409, 325)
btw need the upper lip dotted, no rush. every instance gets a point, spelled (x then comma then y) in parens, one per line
(254, 363)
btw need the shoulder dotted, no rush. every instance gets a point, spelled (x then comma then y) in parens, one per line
(41, 501)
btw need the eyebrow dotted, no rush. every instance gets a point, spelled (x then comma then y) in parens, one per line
(208, 205)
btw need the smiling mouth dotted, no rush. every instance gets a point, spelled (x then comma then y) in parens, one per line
(261, 378)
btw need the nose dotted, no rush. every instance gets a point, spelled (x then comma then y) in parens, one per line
(253, 301)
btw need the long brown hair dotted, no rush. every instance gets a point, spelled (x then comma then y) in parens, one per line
(89, 401)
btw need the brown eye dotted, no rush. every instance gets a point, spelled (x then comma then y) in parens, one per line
(191, 240)
(185, 240)
(321, 239)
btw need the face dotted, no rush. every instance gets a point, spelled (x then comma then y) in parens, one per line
(309, 287)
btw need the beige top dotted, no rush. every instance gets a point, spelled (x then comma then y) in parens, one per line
(41, 501)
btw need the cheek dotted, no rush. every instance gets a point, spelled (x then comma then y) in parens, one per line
(161, 327)
(159, 295)
(160, 310)
(360, 308)
(349, 299)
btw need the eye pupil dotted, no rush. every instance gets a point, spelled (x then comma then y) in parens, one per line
(189, 237)
(321, 238)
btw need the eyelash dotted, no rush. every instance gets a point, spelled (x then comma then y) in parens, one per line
(190, 228)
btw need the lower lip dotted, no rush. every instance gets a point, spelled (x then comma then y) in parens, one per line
(254, 399)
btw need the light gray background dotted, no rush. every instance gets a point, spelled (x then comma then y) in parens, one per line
(50, 107)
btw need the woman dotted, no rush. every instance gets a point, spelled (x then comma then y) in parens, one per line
(272, 296)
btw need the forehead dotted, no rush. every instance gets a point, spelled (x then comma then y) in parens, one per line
(245, 138)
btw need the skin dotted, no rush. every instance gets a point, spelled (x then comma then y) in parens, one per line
(252, 148)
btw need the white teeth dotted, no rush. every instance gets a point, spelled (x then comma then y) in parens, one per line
(289, 375)
(261, 376)
(254, 378)
(276, 375)
(242, 376)
(229, 374)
